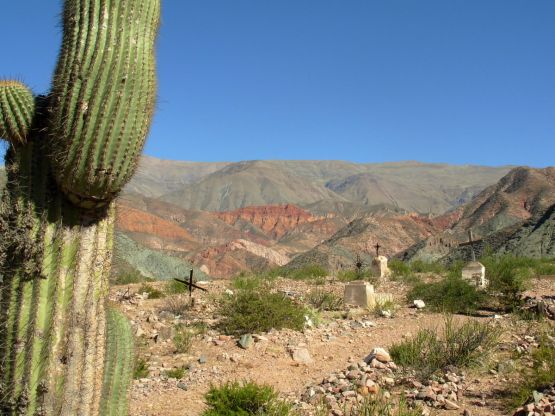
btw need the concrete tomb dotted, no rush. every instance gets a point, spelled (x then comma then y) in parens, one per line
(362, 294)
(475, 274)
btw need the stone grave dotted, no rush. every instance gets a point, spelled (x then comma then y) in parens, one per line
(362, 294)
(475, 274)
(379, 267)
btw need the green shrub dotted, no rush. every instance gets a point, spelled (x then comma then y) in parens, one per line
(140, 369)
(325, 301)
(348, 275)
(183, 339)
(308, 272)
(508, 277)
(541, 375)
(459, 345)
(454, 270)
(420, 266)
(199, 327)
(243, 399)
(152, 292)
(399, 268)
(545, 267)
(250, 311)
(173, 287)
(452, 295)
(130, 277)
(177, 373)
(387, 305)
(246, 282)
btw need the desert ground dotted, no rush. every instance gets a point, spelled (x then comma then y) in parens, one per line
(335, 345)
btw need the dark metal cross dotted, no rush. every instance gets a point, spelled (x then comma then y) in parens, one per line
(377, 247)
(190, 284)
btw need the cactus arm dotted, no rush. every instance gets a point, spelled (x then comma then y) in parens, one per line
(103, 95)
(118, 367)
(17, 109)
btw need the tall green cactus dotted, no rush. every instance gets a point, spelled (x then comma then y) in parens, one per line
(70, 153)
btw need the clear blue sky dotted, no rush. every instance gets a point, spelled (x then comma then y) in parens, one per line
(459, 81)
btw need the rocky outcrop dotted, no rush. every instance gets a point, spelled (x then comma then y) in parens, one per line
(238, 256)
(136, 221)
(514, 215)
(393, 232)
(274, 220)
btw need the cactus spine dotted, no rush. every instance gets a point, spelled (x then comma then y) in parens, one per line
(70, 153)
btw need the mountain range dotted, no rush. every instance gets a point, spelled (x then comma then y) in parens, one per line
(224, 218)
(318, 185)
(247, 216)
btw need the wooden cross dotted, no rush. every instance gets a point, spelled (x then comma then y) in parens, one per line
(190, 284)
(377, 247)
(471, 244)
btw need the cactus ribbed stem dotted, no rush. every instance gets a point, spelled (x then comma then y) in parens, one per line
(54, 316)
(103, 96)
(118, 365)
(71, 152)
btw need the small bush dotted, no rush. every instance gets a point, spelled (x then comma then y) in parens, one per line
(130, 277)
(176, 304)
(199, 327)
(541, 375)
(308, 272)
(183, 339)
(380, 406)
(243, 399)
(454, 270)
(508, 277)
(173, 287)
(452, 295)
(387, 305)
(140, 370)
(246, 282)
(459, 345)
(325, 301)
(348, 275)
(419, 266)
(399, 268)
(152, 292)
(250, 311)
(177, 373)
(545, 268)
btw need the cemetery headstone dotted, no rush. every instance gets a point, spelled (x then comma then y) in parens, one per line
(380, 268)
(475, 273)
(362, 294)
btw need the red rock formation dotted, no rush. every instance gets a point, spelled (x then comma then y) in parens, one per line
(136, 221)
(275, 220)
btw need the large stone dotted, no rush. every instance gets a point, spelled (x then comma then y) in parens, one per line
(301, 356)
(246, 341)
(361, 293)
(475, 274)
(378, 354)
